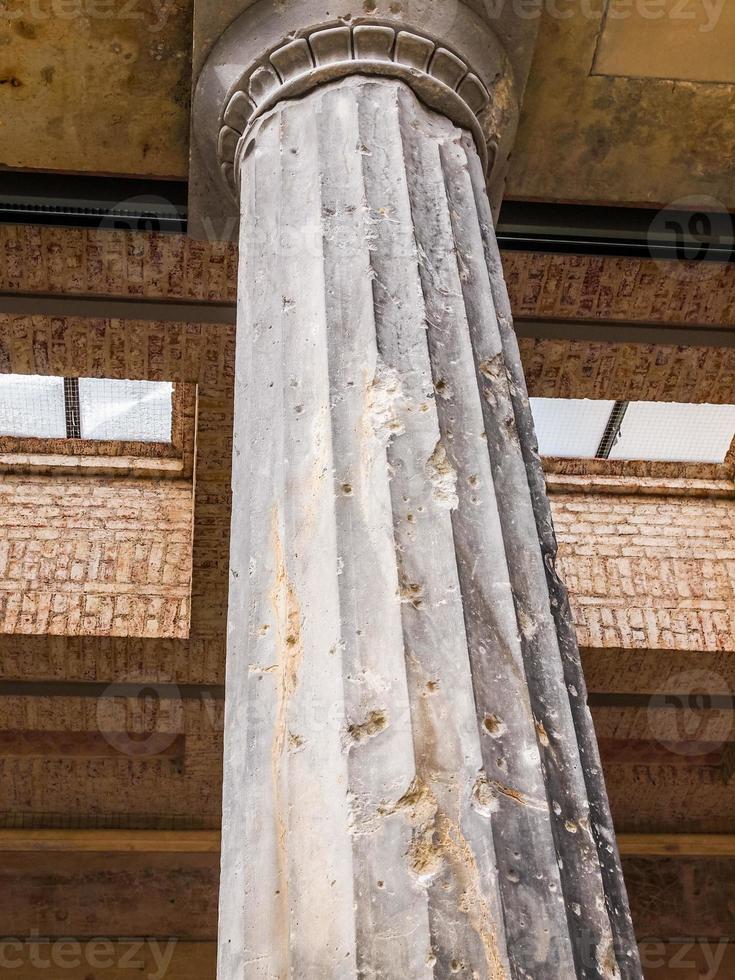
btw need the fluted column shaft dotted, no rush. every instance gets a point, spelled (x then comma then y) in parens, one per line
(405, 795)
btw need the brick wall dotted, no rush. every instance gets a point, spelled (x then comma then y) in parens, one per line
(656, 573)
(94, 555)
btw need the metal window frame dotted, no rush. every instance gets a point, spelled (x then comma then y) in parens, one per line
(612, 430)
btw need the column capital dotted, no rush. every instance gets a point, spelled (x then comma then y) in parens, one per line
(470, 66)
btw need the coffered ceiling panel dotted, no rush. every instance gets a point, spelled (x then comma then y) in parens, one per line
(595, 131)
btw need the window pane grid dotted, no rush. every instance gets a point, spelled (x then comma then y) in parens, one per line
(32, 406)
(125, 410)
(93, 409)
(570, 427)
(669, 432)
(646, 431)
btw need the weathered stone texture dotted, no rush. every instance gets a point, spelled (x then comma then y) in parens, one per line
(386, 573)
(655, 573)
(95, 556)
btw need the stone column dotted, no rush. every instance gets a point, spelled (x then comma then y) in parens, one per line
(409, 761)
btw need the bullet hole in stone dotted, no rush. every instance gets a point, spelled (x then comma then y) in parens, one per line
(295, 741)
(493, 725)
(571, 827)
(374, 724)
(412, 593)
(542, 735)
(291, 640)
(513, 876)
(410, 518)
(299, 409)
(432, 686)
(456, 965)
(381, 884)
(346, 489)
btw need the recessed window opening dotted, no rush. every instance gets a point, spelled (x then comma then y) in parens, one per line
(97, 409)
(620, 430)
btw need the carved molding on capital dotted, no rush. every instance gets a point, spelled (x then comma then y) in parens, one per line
(440, 77)
(470, 68)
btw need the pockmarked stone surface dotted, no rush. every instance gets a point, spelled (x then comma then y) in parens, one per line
(402, 674)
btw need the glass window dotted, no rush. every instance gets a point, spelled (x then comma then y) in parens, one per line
(32, 406)
(131, 411)
(87, 408)
(673, 432)
(649, 431)
(570, 427)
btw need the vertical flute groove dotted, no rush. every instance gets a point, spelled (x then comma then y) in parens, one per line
(616, 899)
